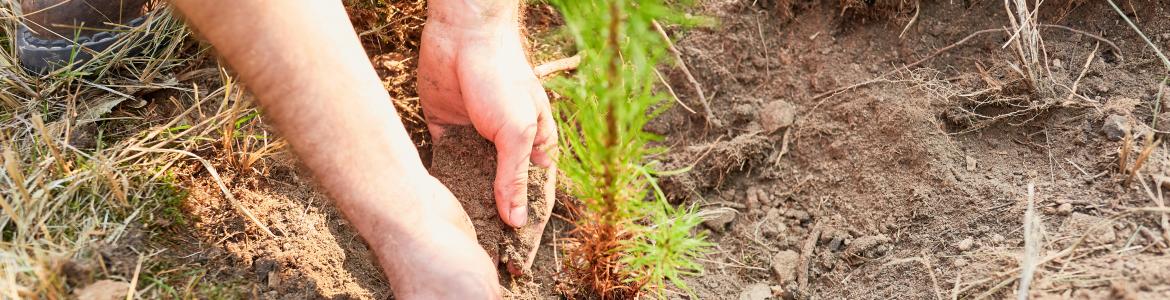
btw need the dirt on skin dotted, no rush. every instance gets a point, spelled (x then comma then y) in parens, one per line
(913, 187)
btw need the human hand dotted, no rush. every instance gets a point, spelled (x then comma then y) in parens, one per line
(437, 257)
(473, 71)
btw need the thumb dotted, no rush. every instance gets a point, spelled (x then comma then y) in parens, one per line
(513, 151)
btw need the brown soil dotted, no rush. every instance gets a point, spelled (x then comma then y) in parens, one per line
(466, 163)
(910, 188)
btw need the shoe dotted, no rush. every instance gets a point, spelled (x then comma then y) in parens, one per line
(57, 33)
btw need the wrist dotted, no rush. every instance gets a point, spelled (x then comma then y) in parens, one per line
(474, 14)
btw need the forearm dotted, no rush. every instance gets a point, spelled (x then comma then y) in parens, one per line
(308, 71)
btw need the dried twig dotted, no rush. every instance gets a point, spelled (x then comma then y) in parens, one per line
(564, 64)
(806, 256)
(1142, 157)
(687, 71)
(218, 181)
(1033, 235)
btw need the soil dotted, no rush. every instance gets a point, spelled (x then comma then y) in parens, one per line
(912, 187)
(466, 163)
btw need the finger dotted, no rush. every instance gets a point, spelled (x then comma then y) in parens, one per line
(544, 146)
(513, 151)
(436, 130)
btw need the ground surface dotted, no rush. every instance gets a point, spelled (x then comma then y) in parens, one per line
(914, 187)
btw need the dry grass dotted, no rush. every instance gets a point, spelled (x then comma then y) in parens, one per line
(62, 199)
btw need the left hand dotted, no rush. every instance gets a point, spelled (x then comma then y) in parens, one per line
(477, 73)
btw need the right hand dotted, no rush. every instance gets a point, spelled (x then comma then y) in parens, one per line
(437, 257)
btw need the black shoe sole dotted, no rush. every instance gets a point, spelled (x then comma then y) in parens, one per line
(41, 56)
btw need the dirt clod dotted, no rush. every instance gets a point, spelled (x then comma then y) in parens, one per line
(870, 246)
(784, 265)
(104, 290)
(756, 291)
(466, 162)
(966, 244)
(776, 115)
(996, 239)
(719, 220)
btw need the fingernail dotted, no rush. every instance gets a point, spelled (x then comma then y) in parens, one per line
(519, 216)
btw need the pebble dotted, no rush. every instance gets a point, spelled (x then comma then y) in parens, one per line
(776, 115)
(720, 220)
(756, 291)
(784, 265)
(837, 243)
(1115, 127)
(966, 244)
(1056, 63)
(971, 163)
(997, 238)
(960, 262)
(1064, 209)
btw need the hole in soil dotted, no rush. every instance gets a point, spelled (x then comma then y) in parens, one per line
(1109, 56)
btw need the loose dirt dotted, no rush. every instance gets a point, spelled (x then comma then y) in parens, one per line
(913, 187)
(466, 163)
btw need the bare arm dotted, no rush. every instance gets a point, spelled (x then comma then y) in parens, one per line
(306, 67)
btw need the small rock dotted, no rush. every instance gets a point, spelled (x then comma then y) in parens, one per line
(756, 291)
(971, 162)
(1056, 63)
(966, 244)
(776, 115)
(1064, 209)
(837, 243)
(1115, 127)
(719, 220)
(784, 265)
(959, 262)
(273, 280)
(997, 238)
(262, 267)
(103, 290)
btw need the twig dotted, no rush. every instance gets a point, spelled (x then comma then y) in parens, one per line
(1142, 157)
(1033, 233)
(1073, 90)
(564, 64)
(134, 279)
(671, 91)
(1126, 146)
(218, 181)
(806, 256)
(687, 71)
(917, 9)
